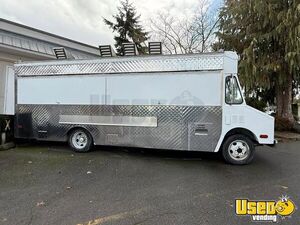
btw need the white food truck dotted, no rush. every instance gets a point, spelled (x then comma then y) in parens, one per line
(177, 102)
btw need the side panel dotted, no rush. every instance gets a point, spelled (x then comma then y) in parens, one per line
(180, 88)
(179, 110)
(165, 127)
(81, 90)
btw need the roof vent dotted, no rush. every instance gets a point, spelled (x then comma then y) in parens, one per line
(61, 53)
(106, 51)
(130, 49)
(155, 48)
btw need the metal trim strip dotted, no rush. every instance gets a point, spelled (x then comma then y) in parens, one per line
(128, 121)
(195, 62)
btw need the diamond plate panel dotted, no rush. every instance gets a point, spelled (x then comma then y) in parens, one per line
(175, 125)
(196, 62)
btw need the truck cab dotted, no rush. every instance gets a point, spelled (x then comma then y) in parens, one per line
(243, 126)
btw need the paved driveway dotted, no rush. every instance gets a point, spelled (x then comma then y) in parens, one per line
(48, 184)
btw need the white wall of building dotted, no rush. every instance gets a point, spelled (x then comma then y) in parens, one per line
(8, 58)
(3, 66)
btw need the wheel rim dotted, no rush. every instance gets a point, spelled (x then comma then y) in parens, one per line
(238, 150)
(79, 140)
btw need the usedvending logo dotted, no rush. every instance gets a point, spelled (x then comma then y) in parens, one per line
(269, 211)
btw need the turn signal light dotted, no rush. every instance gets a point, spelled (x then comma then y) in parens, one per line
(263, 136)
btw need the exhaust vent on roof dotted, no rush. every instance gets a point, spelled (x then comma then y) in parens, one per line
(106, 51)
(155, 48)
(61, 53)
(130, 49)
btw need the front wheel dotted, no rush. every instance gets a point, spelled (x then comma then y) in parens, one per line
(80, 140)
(238, 149)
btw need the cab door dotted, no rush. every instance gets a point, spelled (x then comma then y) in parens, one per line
(233, 103)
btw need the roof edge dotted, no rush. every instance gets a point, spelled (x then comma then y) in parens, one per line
(47, 33)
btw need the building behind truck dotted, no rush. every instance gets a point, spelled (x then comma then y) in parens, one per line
(23, 43)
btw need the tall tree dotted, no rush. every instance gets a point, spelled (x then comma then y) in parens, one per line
(128, 27)
(265, 33)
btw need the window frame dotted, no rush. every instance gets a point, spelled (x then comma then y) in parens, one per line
(239, 89)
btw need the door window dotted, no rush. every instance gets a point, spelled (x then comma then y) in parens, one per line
(233, 93)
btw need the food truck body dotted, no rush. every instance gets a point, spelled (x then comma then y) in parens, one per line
(181, 102)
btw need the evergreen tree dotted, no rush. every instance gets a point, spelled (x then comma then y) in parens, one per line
(265, 33)
(128, 27)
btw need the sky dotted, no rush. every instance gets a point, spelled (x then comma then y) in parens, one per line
(81, 20)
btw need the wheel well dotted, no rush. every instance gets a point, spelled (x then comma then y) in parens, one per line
(243, 131)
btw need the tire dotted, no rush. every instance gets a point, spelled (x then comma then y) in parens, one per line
(238, 150)
(80, 140)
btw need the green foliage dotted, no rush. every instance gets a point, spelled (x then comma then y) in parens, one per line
(265, 33)
(128, 27)
(256, 103)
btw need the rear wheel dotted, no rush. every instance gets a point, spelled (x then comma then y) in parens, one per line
(238, 149)
(80, 140)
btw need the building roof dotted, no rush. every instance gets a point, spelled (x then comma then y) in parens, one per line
(15, 36)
